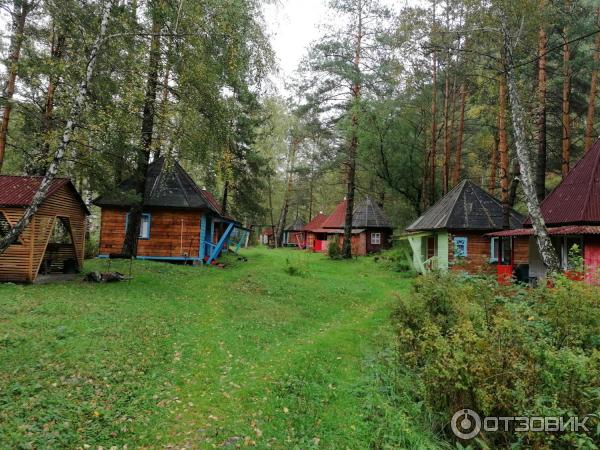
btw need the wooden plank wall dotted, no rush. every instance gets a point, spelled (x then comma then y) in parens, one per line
(173, 233)
(22, 262)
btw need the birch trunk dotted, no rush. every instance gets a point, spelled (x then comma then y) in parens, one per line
(70, 126)
(547, 251)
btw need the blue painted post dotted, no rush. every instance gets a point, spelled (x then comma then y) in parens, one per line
(220, 244)
(202, 233)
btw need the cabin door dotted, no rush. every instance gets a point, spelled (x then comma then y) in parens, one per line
(431, 241)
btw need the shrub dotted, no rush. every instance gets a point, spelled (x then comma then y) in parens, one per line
(91, 246)
(334, 250)
(295, 270)
(504, 351)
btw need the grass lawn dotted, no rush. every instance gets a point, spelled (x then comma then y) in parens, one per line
(198, 357)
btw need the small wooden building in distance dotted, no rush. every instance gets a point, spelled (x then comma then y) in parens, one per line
(54, 240)
(371, 228)
(452, 233)
(314, 239)
(294, 235)
(180, 222)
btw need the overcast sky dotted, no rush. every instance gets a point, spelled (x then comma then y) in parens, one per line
(294, 24)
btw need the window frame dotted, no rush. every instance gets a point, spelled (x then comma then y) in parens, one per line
(378, 234)
(465, 242)
(144, 216)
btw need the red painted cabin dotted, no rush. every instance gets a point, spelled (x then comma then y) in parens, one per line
(371, 228)
(572, 215)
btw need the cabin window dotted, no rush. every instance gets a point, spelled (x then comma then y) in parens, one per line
(460, 247)
(144, 225)
(501, 250)
(5, 227)
(494, 249)
(375, 238)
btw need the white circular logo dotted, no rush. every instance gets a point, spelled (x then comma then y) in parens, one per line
(466, 424)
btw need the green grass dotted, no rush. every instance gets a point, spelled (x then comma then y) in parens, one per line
(197, 357)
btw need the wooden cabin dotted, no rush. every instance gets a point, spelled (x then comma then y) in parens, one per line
(314, 239)
(371, 228)
(452, 234)
(572, 215)
(54, 240)
(180, 221)
(294, 235)
(267, 236)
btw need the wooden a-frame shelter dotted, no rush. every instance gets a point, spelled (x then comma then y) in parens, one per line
(54, 241)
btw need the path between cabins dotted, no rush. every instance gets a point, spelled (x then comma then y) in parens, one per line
(186, 357)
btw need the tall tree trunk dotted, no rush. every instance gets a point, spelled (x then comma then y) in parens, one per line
(566, 106)
(459, 139)
(225, 194)
(270, 187)
(547, 251)
(494, 165)
(70, 126)
(503, 152)
(144, 152)
(40, 162)
(590, 136)
(20, 10)
(433, 151)
(446, 166)
(352, 148)
(286, 195)
(540, 180)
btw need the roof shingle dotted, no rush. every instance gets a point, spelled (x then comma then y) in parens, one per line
(465, 207)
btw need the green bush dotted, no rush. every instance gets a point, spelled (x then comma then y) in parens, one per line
(396, 260)
(504, 351)
(334, 250)
(91, 246)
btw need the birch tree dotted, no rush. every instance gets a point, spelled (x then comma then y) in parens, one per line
(72, 122)
(547, 251)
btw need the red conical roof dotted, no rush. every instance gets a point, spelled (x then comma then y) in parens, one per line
(337, 217)
(576, 200)
(316, 223)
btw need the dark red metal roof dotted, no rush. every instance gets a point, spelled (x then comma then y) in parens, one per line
(337, 217)
(577, 198)
(316, 223)
(569, 230)
(17, 191)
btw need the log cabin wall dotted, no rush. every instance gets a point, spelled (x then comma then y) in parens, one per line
(22, 262)
(173, 233)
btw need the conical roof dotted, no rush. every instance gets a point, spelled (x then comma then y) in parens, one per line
(296, 225)
(316, 223)
(466, 207)
(336, 218)
(576, 200)
(167, 185)
(368, 214)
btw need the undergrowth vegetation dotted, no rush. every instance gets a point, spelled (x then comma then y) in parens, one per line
(504, 351)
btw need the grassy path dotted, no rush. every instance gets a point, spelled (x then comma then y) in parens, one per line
(192, 357)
